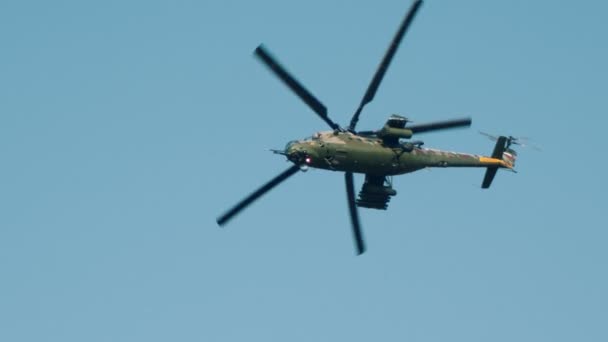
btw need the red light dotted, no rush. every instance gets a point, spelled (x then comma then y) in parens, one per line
(307, 160)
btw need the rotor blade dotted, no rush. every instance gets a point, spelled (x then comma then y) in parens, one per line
(525, 142)
(294, 85)
(534, 147)
(521, 141)
(489, 136)
(222, 220)
(354, 214)
(433, 126)
(386, 61)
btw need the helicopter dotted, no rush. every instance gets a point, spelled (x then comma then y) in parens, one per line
(377, 154)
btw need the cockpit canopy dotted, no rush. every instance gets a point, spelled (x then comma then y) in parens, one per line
(314, 137)
(290, 144)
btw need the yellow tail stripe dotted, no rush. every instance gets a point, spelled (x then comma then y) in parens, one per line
(493, 161)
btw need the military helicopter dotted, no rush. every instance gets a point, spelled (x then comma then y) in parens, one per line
(378, 154)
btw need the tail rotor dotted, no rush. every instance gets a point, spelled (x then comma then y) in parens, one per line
(511, 140)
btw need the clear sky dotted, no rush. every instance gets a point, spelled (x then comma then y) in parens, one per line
(127, 127)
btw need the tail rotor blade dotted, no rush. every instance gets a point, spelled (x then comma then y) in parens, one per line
(294, 85)
(354, 214)
(521, 141)
(489, 136)
(527, 144)
(386, 61)
(222, 220)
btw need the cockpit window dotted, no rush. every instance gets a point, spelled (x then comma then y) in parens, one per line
(289, 144)
(315, 136)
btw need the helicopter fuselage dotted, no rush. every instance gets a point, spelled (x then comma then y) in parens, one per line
(347, 152)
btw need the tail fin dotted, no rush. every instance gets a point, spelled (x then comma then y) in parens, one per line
(499, 149)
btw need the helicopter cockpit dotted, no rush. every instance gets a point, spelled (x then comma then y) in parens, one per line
(314, 137)
(290, 144)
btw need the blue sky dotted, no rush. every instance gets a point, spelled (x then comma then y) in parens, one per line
(127, 127)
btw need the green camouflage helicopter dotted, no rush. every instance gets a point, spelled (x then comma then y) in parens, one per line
(379, 154)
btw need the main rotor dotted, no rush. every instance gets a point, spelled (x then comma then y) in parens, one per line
(317, 106)
(320, 109)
